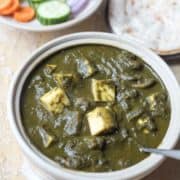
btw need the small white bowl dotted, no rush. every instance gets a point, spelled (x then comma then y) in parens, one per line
(35, 26)
(48, 166)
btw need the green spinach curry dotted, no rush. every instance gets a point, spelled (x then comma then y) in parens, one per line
(91, 107)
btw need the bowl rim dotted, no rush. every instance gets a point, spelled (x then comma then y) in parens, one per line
(140, 169)
(56, 27)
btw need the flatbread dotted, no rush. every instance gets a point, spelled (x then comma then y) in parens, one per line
(154, 22)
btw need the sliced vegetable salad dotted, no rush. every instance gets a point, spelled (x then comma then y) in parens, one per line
(47, 12)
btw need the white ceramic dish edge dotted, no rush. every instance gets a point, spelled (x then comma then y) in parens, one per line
(134, 172)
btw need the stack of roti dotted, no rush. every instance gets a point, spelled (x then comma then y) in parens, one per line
(155, 22)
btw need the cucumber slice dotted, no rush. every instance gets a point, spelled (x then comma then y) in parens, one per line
(53, 12)
(30, 3)
(37, 1)
(34, 4)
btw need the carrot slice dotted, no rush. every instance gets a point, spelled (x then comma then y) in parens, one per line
(11, 9)
(24, 14)
(4, 4)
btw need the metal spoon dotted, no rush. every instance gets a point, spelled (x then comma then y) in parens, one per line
(175, 154)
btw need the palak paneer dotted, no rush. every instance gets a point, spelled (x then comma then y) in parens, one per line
(91, 107)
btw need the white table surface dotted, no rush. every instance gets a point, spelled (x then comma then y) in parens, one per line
(15, 46)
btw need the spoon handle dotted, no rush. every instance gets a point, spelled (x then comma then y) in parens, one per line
(175, 154)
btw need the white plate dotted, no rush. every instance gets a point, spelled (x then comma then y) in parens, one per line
(162, 44)
(34, 25)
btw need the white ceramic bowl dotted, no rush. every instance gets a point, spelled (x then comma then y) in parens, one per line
(137, 171)
(35, 26)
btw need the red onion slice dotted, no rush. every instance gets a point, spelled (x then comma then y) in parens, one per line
(77, 5)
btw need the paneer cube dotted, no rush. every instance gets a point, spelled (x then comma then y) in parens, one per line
(146, 123)
(49, 69)
(152, 101)
(157, 103)
(85, 68)
(47, 139)
(103, 90)
(55, 100)
(100, 120)
(63, 80)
